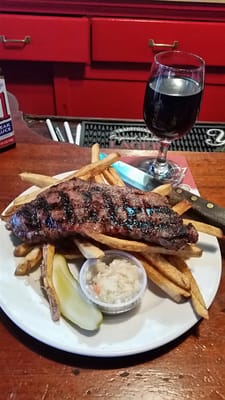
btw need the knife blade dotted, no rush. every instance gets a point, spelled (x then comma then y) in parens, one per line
(139, 179)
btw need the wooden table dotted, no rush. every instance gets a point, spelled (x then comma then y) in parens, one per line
(191, 367)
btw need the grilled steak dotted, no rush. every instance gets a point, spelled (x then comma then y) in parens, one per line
(76, 207)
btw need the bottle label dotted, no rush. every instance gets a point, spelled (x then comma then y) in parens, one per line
(7, 136)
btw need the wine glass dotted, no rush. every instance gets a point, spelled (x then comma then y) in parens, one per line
(171, 104)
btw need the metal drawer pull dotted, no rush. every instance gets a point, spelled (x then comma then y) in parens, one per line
(3, 40)
(173, 45)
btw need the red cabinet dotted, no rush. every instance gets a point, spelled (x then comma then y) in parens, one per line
(38, 38)
(96, 66)
(30, 46)
(113, 84)
(128, 40)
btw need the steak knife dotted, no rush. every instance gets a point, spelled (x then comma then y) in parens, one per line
(139, 179)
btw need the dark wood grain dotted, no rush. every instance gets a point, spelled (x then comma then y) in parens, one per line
(191, 367)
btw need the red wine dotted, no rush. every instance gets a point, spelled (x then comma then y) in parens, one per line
(171, 106)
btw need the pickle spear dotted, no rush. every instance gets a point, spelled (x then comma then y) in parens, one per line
(73, 305)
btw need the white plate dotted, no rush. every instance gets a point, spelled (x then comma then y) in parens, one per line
(158, 321)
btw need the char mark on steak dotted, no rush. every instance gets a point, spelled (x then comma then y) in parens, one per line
(76, 206)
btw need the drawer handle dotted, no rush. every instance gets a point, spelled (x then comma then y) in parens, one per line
(173, 45)
(26, 40)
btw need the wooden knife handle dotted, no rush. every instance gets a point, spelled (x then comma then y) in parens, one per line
(213, 213)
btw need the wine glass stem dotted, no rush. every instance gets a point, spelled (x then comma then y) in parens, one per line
(160, 165)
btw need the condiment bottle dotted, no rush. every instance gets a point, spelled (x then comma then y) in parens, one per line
(7, 136)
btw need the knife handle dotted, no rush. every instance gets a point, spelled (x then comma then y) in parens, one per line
(213, 213)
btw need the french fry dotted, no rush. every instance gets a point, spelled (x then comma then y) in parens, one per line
(205, 228)
(188, 251)
(198, 307)
(29, 262)
(73, 253)
(71, 256)
(182, 206)
(37, 179)
(99, 178)
(168, 270)
(95, 168)
(171, 289)
(109, 174)
(46, 273)
(112, 177)
(134, 246)
(6, 214)
(196, 296)
(22, 249)
(26, 198)
(9, 212)
(95, 149)
(95, 157)
(88, 249)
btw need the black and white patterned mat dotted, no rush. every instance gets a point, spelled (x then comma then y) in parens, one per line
(202, 137)
(129, 134)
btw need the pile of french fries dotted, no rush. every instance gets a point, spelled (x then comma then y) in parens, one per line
(167, 269)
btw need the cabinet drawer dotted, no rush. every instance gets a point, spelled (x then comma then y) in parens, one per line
(126, 40)
(48, 38)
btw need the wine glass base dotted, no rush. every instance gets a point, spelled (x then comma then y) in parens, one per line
(173, 173)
